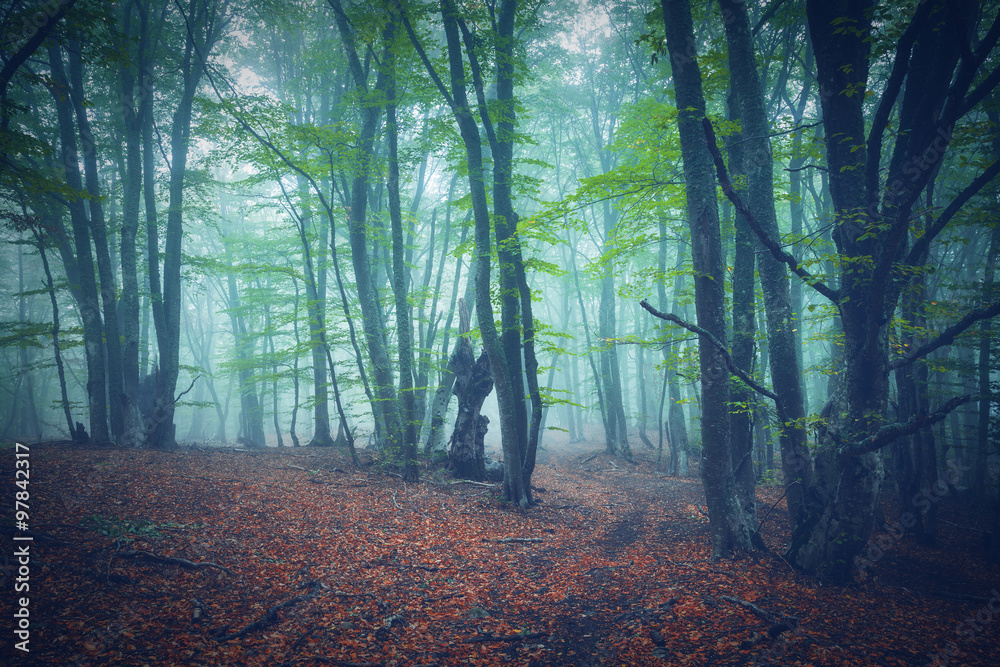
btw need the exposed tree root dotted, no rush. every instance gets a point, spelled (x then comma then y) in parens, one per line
(171, 560)
(271, 616)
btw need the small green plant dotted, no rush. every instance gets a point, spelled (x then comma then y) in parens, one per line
(125, 530)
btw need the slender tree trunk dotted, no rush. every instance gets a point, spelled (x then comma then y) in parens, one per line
(728, 525)
(404, 324)
(367, 287)
(93, 327)
(744, 331)
(133, 111)
(98, 229)
(204, 20)
(315, 281)
(758, 163)
(50, 287)
(251, 412)
(986, 398)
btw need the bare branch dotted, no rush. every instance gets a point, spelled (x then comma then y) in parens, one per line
(947, 336)
(900, 66)
(670, 317)
(977, 184)
(891, 432)
(769, 243)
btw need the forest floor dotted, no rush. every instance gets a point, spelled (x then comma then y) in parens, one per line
(293, 557)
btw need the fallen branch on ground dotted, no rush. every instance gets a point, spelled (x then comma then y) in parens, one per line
(272, 614)
(778, 626)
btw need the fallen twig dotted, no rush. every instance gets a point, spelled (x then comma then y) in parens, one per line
(505, 638)
(507, 540)
(757, 611)
(272, 614)
(171, 560)
(778, 626)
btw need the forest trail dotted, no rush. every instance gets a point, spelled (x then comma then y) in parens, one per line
(292, 557)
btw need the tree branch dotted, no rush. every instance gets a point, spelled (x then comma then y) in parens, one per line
(900, 66)
(670, 317)
(769, 243)
(477, 83)
(891, 432)
(424, 59)
(977, 184)
(31, 43)
(947, 336)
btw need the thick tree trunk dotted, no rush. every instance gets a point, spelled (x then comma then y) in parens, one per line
(730, 530)
(871, 231)
(473, 383)
(514, 487)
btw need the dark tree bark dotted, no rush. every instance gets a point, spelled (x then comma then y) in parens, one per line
(404, 323)
(98, 229)
(758, 165)
(83, 261)
(50, 288)
(515, 487)
(473, 383)
(204, 22)
(729, 527)
(368, 293)
(744, 330)
(135, 107)
(872, 233)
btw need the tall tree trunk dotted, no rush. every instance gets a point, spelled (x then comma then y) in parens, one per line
(98, 229)
(315, 281)
(758, 164)
(50, 287)
(90, 313)
(134, 109)
(404, 324)
(744, 331)
(204, 21)
(986, 397)
(728, 525)
(368, 294)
